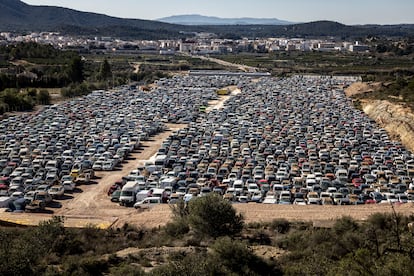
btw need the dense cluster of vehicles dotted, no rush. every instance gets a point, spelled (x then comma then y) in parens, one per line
(53, 150)
(295, 140)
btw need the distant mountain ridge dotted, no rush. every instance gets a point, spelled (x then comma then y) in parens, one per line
(196, 19)
(16, 15)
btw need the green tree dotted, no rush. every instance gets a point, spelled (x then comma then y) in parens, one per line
(75, 71)
(32, 93)
(213, 216)
(43, 97)
(179, 225)
(105, 71)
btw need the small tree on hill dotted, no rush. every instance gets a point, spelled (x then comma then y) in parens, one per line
(105, 71)
(213, 216)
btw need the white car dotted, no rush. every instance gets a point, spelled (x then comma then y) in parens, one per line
(390, 198)
(97, 166)
(299, 201)
(270, 200)
(108, 165)
(147, 203)
(256, 196)
(57, 191)
(253, 188)
(187, 197)
(68, 186)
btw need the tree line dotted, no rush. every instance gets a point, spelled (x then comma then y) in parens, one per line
(24, 66)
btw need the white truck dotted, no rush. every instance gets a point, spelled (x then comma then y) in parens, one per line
(128, 193)
(168, 182)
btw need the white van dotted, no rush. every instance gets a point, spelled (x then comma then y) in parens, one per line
(148, 202)
(128, 192)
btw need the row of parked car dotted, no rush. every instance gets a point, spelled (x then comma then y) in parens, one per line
(62, 144)
(292, 140)
(297, 135)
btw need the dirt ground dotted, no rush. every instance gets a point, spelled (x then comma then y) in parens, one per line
(361, 88)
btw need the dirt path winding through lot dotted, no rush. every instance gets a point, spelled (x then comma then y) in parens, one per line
(93, 199)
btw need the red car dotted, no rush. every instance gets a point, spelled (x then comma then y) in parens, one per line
(116, 186)
(357, 182)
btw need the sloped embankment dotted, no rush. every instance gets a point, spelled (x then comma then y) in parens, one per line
(397, 120)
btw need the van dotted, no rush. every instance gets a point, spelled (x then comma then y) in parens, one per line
(141, 195)
(168, 182)
(238, 186)
(160, 160)
(5, 201)
(128, 193)
(147, 203)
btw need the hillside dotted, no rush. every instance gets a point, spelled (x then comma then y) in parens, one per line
(196, 19)
(16, 15)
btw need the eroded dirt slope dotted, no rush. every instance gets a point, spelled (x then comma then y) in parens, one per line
(395, 118)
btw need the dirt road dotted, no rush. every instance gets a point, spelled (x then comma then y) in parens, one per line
(241, 67)
(93, 200)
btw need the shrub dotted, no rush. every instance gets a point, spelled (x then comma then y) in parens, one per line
(213, 216)
(237, 258)
(344, 225)
(260, 237)
(281, 226)
(177, 228)
(43, 97)
(193, 264)
(127, 270)
(180, 209)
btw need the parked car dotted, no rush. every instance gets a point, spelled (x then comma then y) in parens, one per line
(39, 202)
(115, 196)
(147, 203)
(68, 186)
(57, 191)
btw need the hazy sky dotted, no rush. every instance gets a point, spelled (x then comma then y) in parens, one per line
(344, 11)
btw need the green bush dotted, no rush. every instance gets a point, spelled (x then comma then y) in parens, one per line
(238, 259)
(212, 216)
(127, 270)
(281, 226)
(345, 225)
(43, 97)
(191, 265)
(177, 228)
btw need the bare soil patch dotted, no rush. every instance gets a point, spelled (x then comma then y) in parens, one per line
(362, 88)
